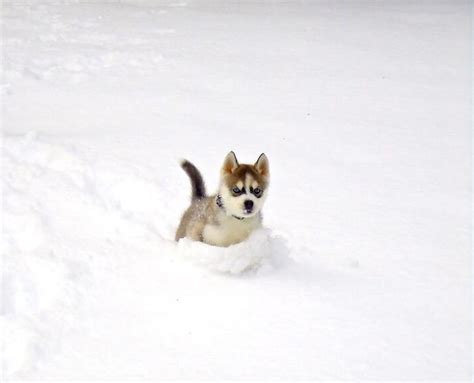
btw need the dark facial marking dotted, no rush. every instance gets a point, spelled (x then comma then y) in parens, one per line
(236, 191)
(257, 192)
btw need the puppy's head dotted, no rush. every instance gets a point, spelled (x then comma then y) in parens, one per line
(244, 187)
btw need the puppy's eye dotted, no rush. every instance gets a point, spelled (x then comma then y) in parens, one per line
(236, 190)
(257, 191)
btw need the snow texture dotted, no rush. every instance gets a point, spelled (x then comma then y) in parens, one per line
(363, 269)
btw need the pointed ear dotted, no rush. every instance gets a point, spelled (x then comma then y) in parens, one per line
(262, 165)
(230, 163)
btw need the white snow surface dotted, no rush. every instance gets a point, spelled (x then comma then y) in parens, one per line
(363, 269)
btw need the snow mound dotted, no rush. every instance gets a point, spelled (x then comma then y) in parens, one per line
(262, 250)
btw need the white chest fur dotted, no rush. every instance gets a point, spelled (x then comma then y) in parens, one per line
(230, 231)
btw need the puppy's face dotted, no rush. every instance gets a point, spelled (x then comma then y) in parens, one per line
(244, 188)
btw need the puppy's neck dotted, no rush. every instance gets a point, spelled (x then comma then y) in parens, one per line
(220, 205)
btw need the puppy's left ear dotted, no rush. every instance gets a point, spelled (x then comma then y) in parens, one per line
(262, 165)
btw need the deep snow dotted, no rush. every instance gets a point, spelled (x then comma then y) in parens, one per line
(364, 268)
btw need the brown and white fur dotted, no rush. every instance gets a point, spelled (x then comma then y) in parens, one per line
(229, 216)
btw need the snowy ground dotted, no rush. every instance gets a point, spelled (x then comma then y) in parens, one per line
(364, 111)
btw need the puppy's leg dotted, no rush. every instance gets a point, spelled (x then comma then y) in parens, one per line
(181, 232)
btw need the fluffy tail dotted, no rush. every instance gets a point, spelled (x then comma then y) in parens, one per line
(197, 184)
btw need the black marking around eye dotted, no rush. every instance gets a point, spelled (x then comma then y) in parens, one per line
(236, 191)
(257, 192)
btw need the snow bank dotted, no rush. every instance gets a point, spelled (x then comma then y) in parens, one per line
(70, 219)
(261, 249)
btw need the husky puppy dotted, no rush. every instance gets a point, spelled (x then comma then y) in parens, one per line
(229, 216)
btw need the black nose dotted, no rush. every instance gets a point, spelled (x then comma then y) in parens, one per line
(248, 204)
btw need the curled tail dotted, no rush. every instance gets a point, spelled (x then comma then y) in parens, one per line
(197, 183)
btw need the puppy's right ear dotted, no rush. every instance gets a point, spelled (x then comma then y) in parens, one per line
(230, 163)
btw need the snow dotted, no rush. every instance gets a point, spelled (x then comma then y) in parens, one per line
(363, 269)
